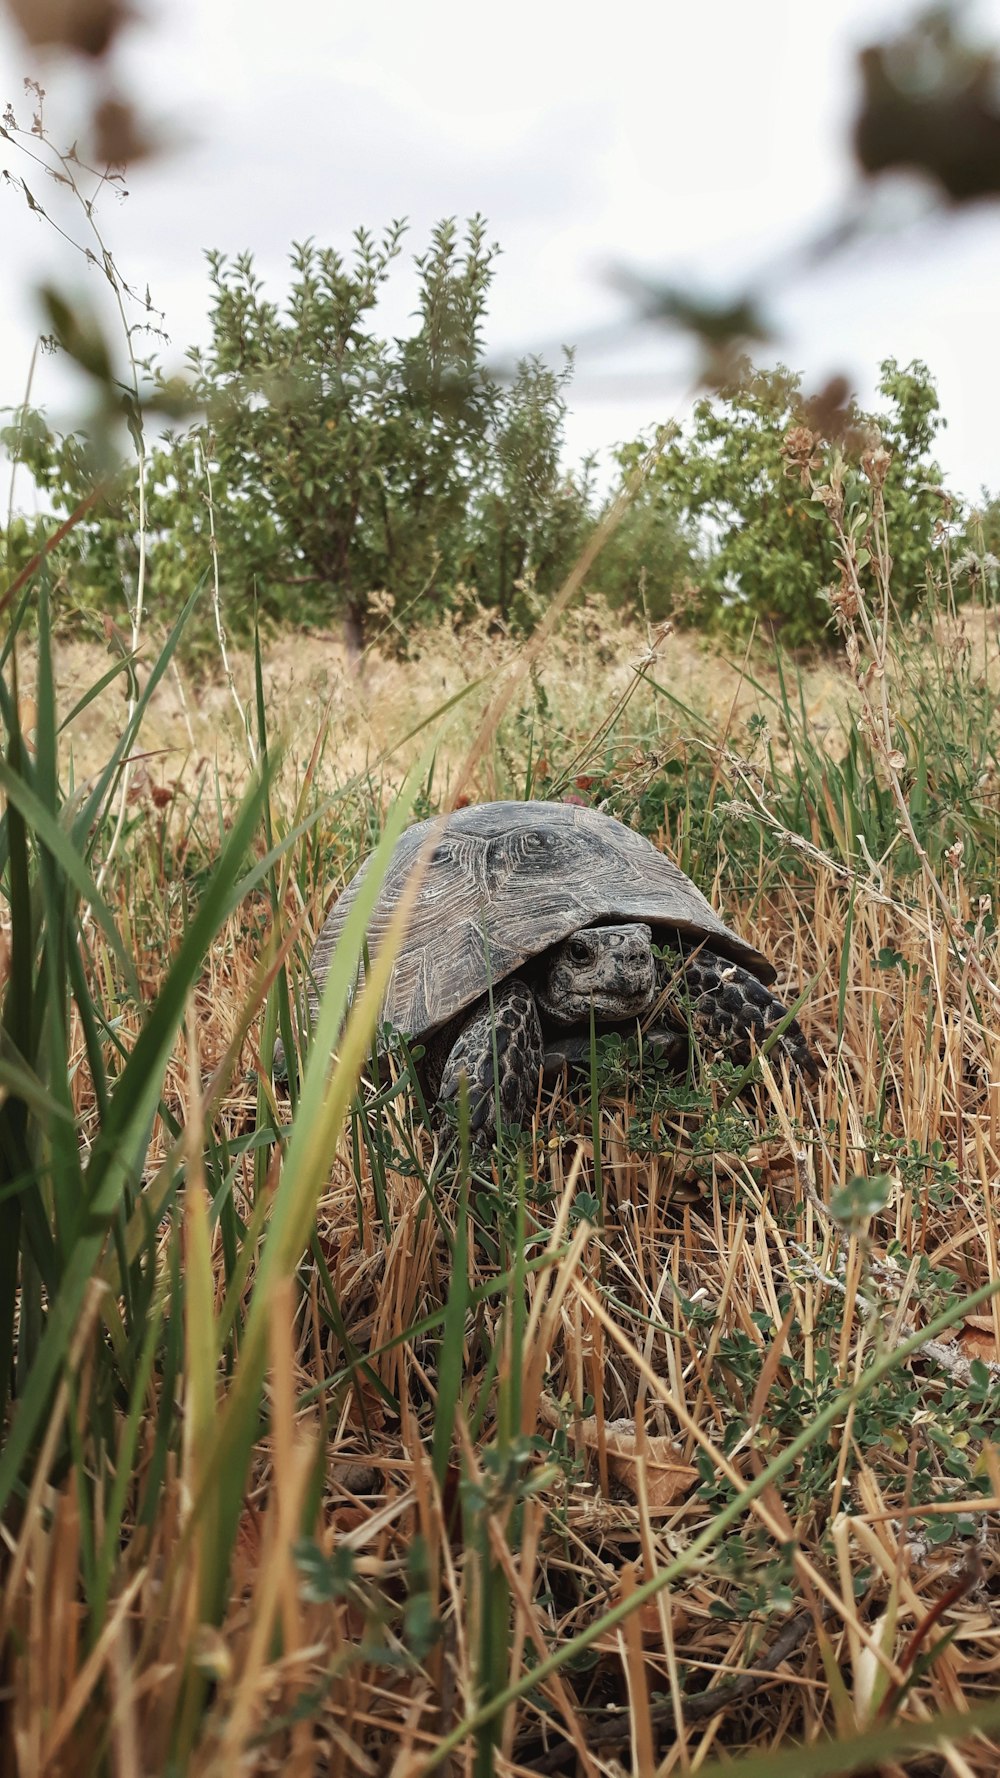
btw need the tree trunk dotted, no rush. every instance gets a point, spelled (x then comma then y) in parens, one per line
(354, 633)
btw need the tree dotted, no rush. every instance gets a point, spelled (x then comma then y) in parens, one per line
(334, 469)
(344, 461)
(330, 466)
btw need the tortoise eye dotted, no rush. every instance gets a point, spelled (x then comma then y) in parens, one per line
(579, 950)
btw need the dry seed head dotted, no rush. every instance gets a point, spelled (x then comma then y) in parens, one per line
(875, 463)
(976, 568)
(953, 855)
(382, 603)
(844, 598)
(803, 459)
(798, 442)
(831, 494)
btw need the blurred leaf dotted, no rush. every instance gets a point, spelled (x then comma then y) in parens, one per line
(929, 104)
(862, 1197)
(80, 334)
(87, 26)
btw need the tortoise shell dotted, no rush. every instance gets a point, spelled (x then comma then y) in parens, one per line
(504, 881)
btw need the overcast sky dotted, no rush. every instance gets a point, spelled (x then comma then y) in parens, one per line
(688, 141)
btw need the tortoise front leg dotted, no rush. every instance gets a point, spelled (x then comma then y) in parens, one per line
(519, 1056)
(732, 1011)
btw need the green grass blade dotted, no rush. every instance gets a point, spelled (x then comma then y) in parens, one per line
(323, 1106)
(118, 1152)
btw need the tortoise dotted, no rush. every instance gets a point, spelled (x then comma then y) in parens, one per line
(529, 915)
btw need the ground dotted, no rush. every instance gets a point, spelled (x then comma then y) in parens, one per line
(718, 1349)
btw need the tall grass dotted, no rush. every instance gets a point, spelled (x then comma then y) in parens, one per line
(662, 1434)
(116, 1193)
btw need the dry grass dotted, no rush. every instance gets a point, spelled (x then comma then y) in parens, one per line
(709, 1307)
(375, 704)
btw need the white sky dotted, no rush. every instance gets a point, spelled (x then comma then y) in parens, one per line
(683, 139)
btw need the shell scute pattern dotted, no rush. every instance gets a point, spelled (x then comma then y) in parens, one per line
(502, 883)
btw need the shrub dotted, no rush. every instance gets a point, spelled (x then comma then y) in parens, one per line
(742, 473)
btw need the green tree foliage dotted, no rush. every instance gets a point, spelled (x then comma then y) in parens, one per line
(743, 471)
(654, 562)
(95, 563)
(344, 462)
(334, 467)
(530, 516)
(334, 473)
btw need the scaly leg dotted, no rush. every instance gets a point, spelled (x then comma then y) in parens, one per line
(732, 1011)
(519, 1056)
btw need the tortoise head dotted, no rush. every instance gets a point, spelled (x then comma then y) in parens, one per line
(608, 967)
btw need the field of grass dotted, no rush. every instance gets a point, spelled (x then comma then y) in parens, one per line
(375, 705)
(662, 1439)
